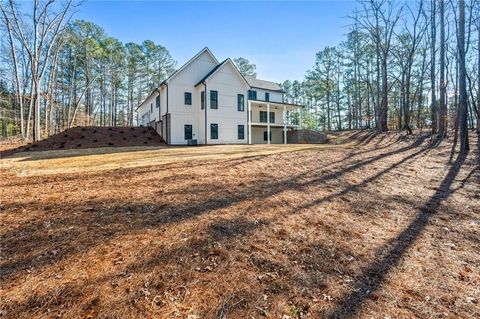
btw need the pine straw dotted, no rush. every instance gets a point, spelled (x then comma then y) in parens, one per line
(388, 229)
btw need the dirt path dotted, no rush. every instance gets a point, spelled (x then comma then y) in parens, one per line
(386, 230)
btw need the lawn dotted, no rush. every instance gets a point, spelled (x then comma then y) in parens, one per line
(387, 226)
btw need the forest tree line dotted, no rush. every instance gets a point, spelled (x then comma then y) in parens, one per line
(403, 65)
(58, 72)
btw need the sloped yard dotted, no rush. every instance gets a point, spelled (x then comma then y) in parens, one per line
(386, 229)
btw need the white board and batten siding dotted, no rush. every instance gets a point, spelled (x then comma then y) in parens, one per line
(204, 69)
(229, 84)
(184, 81)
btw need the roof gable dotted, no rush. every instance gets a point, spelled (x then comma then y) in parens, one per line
(220, 66)
(199, 54)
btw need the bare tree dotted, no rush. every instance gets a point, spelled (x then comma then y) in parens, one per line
(463, 123)
(442, 110)
(48, 20)
(433, 34)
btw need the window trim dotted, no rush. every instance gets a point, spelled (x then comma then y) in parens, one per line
(185, 131)
(270, 116)
(212, 125)
(265, 117)
(240, 106)
(187, 97)
(214, 102)
(242, 130)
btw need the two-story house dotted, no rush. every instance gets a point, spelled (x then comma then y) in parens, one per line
(211, 102)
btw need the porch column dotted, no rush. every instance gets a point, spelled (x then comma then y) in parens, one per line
(268, 123)
(249, 117)
(284, 124)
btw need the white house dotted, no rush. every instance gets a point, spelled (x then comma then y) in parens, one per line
(234, 110)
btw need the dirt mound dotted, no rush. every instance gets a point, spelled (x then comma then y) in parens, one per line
(93, 137)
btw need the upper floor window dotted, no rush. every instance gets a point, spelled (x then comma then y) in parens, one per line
(188, 98)
(252, 95)
(272, 117)
(202, 100)
(151, 107)
(214, 131)
(240, 102)
(157, 101)
(213, 99)
(267, 96)
(263, 116)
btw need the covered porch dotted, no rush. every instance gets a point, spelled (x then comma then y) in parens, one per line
(269, 122)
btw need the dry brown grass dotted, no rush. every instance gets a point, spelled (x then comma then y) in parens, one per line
(387, 229)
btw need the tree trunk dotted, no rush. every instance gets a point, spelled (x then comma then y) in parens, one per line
(442, 111)
(432, 71)
(463, 111)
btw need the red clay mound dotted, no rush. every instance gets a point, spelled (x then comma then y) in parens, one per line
(92, 137)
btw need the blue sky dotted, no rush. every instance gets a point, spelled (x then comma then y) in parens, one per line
(281, 38)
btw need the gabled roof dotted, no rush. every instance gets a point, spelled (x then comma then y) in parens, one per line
(262, 84)
(206, 49)
(190, 61)
(218, 67)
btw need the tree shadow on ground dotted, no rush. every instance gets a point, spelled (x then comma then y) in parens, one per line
(372, 277)
(92, 217)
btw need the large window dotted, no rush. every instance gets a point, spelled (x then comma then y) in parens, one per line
(241, 132)
(202, 99)
(214, 131)
(157, 101)
(263, 117)
(188, 132)
(240, 102)
(188, 98)
(213, 99)
(267, 96)
(272, 117)
(252, 95)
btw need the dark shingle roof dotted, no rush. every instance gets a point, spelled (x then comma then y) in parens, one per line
(262, 84)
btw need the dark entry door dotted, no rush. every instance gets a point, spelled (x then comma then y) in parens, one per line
(188, 132)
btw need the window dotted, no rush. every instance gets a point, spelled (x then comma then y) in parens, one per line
(188, 98)
(151, 107)
(252, 95)
(202, 99)
(157, 101)
(214, 131)
(240, 102)
(188, 132)
(265, 134)
(241, 132)
(213, 99)
(263, 117)
(272, 117)
(267, 96)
